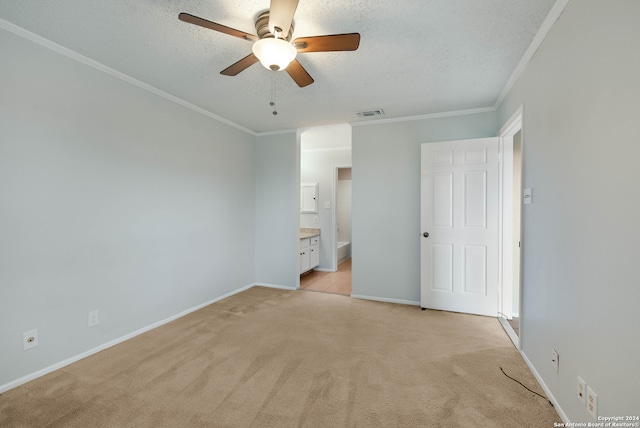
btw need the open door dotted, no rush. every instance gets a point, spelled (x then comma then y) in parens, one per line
(459, 218)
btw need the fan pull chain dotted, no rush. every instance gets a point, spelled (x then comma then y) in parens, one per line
(273, 94)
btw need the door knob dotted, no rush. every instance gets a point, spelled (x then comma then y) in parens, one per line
(426, 234)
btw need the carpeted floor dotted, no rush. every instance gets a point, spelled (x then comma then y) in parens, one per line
(275, 358)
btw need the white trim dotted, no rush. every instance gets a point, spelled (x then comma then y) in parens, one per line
(66, 362)
(384, 299)
(544, 29)
(280, 287)
(426, 116)
(515, 121)
(506, 221)
(324, 270)
(510, 332)
(283, 131)
(296, 207)
(325, 149)
(547, 391)
(115, 73)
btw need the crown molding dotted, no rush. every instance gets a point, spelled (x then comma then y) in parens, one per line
(425, 116)
(283, 131)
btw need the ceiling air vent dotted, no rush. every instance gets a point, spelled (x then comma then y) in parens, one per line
(371, 113)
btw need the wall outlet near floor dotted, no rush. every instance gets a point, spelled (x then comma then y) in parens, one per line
(93, 318)
(592, 403)
(29, 339)
(315, 219)
(555, 360)
(582, 391)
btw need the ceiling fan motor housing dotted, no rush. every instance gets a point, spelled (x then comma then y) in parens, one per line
(262, 28)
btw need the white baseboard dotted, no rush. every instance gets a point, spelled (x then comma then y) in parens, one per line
(61, 364)
(556, 406)
(384, 299)
(325, 270)
(281, 287)
(510, 332)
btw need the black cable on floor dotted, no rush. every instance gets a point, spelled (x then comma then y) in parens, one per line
(526, 387)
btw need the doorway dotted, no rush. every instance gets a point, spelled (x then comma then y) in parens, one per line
(510, 312)
(325, 159)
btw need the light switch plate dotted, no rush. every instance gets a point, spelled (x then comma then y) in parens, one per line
(327, 205)
(582, 391)
(527, 196)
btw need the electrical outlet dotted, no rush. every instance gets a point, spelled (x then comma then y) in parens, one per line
(555, 360)
(582, 391)
(30, 339)
(93, 318)
(315, 219)
(592, 403)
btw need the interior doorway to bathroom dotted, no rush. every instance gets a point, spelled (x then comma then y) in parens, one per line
(325, 160)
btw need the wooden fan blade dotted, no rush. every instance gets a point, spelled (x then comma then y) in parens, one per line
(216, 27)
(241, 65)
(331, 43)
(299, 74)
(281, 14)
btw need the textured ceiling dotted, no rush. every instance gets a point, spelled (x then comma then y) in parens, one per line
(416, 57)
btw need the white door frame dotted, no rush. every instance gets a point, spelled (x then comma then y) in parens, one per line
(506, 250)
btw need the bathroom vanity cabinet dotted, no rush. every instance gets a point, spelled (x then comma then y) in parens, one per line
(309, 253)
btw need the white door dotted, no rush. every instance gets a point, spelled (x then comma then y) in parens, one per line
(459, 219)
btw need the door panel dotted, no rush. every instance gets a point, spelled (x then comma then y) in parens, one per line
(475, 199)
(474, 262)
(443, 200)
(459, 210)
(442, 267)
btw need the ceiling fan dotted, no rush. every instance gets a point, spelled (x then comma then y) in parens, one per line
(272, 45)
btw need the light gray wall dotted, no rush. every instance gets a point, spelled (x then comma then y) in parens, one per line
(111, 198)
(317, 165)
(386, 199)
(581, 148)
(277, 166)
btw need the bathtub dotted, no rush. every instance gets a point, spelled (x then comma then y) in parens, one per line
(344, 250)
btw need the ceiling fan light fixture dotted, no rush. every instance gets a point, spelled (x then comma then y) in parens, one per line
(275, 54)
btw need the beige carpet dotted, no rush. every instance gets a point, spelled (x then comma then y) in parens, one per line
(274, 358)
